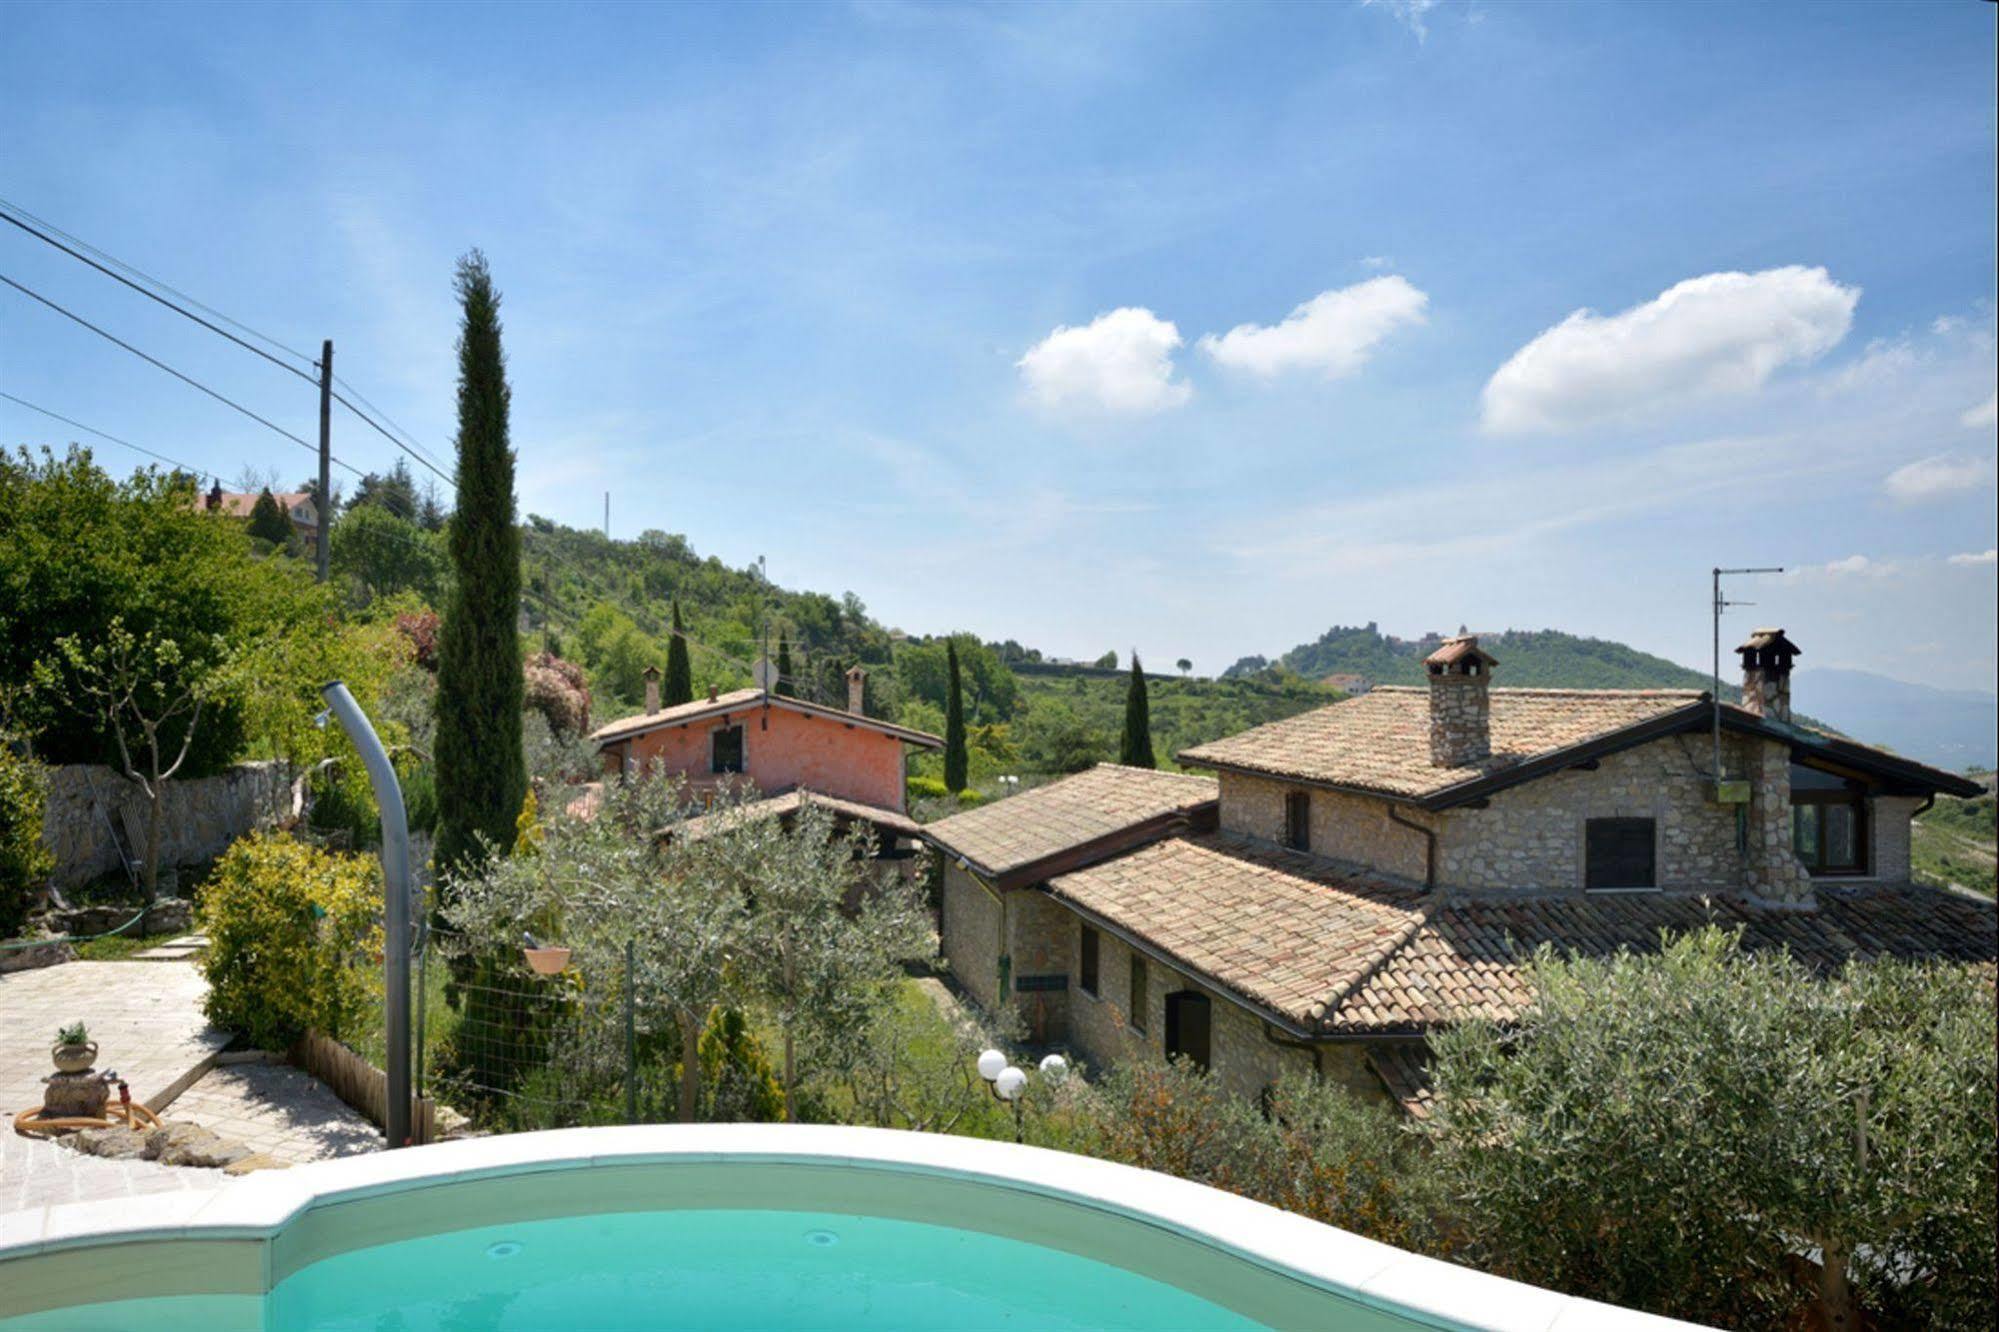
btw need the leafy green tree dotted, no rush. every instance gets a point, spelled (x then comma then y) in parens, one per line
(832, 933)
(955, 758)
(991, 690)
(1186, 667)
(151, 690)
(377, 554)
(78, 550)
(1666, 1131)
(1108, 661)
(787, 684)
(269, 522)
(679, 684)
(617, 652)
(1057, 738)
(25, 861)
(1135, 749)
(395, 492)
(481, 773)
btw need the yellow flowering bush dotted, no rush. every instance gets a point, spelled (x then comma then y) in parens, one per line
(292, 932)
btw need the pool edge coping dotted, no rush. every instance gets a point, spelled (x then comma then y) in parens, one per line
(259, 1206)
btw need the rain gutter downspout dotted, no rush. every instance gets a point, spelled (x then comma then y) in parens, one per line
(1429, 850)
(1313, 1048)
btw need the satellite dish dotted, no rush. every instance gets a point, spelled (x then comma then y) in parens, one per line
(765, 674)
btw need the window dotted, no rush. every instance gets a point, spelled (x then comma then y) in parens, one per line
(1618, 853)
(1087, 961)
(1828, 823)
(727, 753)
(1135, 1007)
(1189, 1027)
(1298, 820)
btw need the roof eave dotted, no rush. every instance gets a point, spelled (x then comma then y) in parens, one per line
(1201, 816)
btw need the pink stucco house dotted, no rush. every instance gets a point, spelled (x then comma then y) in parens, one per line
(789, 749)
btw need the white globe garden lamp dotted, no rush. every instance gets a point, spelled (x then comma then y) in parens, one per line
(1055, 1068)
(1009, 1083)
(991, 1064)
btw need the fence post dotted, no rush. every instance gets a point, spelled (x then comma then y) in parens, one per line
(422, 990)
(631, 1045)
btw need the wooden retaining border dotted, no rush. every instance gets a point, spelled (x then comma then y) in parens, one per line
(366, 1088)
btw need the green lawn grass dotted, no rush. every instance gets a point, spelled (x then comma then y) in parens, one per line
(118, 947)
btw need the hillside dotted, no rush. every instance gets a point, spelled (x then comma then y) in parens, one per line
(1951, 728)
(1955, 842)
(1545, 658)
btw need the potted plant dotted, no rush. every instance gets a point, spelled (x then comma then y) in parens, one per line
(74, 1051)
(544, 959)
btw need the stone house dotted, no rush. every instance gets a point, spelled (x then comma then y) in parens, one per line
(789, 750)
(1357, 876)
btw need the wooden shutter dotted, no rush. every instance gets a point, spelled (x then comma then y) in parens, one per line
(1620, 854)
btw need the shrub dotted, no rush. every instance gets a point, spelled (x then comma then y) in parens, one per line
(24, 861)
(1670, 1132)
(736, 1075)
(290, 928)
(1309, 1148)
(929, 787)
(557, 690)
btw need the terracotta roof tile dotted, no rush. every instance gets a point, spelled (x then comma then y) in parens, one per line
(1468, 957)
(737, 699)
(790, 802)
(1020, 831)
(1277, 927)
(1380, 740)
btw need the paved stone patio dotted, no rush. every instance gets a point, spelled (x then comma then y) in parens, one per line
(145, 1017)
(278, 1110)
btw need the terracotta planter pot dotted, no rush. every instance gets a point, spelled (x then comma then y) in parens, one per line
(74, 1058)
(547, 961)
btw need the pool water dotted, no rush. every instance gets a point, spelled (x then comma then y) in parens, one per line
(725, 1269)
(698, 1268)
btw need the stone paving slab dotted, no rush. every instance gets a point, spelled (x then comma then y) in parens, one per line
(278, 1110)
(34, 1173)
(145, 1017)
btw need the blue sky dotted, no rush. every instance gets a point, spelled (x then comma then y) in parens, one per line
(1194, 328)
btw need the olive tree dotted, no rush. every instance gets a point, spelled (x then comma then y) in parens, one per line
(831, 930)
(1686, 1131)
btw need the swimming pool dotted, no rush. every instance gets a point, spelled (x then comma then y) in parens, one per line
(729, 1226)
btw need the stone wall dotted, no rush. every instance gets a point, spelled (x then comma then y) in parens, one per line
(199, 818)
(971, 935)
(1353, 829)
(1460, 717)
(1532, 836)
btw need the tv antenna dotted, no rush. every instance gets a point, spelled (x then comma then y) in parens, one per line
(1720, 604)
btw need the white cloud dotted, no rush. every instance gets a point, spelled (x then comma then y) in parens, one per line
(1854, 565)
(1119, 363)
(1333, 333)
(1976, 557)
(1935, 477)
(1409, 13)
(1985, 415)
(1375, 261)
(1882, 362)
(1715, 336)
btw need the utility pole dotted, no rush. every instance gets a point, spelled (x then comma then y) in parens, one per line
(324, 500)
(607, 515)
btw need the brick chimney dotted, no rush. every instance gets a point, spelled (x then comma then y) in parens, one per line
(1460, 702)
(857, 688)
(1766, 674)
(652, 690)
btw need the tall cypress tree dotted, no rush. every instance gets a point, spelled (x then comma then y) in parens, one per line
(269, 521)
(785, 684)
(955, 759)
(1136, 749)
(481, 770)
(679, 685)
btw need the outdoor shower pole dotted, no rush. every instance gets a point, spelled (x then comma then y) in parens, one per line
(395, 903)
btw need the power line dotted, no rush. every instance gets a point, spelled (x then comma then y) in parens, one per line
(187, 467)
(167, 287)
(154, 360)
(183, 312)
(414, 442)
(75, 249)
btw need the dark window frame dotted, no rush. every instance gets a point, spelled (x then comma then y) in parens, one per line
(1177, 1043)
(1817, 802)
(1603, 871)
(1298, 820)
(1090, 962)
(715, 736)
(1138, 988)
